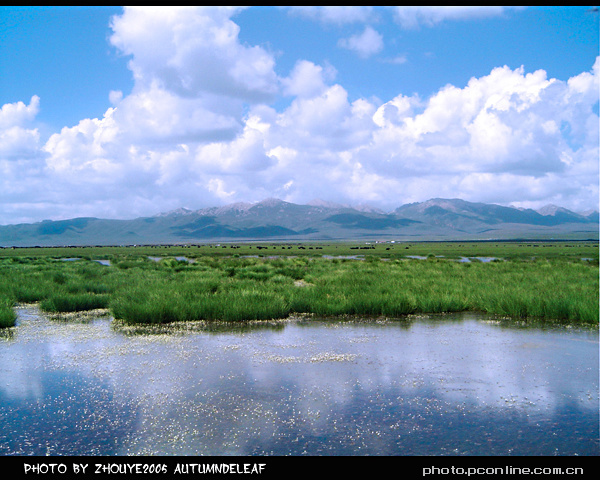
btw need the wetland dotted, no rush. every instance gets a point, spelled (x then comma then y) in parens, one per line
(455, 384)
(215, 350)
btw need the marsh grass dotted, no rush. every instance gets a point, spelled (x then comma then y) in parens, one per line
(141, 291)
(512, 250)
(74, 302)
(8, 317)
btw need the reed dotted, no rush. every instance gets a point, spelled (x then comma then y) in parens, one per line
(138, 290)
(8, 317)
(77, 302)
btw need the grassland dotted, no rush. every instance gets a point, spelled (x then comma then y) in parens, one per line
(547, 281)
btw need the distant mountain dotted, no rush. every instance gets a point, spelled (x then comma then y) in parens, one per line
(465, 215)
(277, 220)
(178, 211)
(593, 217)
(317, 202)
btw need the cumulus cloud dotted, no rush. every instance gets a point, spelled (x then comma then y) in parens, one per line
(192, 74)
(505, 126)
(193, 82)
(17, 138)
(368, 43)
(193, 51)
(84, 148)
(16, 114)
(199, 129)
(19, 145)
(307, 79)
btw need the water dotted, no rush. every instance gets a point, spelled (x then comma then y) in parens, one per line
(179, 259)
(439, 385)
(461, 259)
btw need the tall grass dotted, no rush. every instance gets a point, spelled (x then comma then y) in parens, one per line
(8, 317)
(234, 289)
(57, 286)
(76, 302)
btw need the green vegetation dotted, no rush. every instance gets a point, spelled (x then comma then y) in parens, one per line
(549, 281)
(506, 250)
(7, 314)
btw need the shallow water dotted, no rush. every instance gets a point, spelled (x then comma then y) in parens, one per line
(461, 259)
(439, 385)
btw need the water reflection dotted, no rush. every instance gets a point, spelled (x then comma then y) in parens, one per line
(422, 386)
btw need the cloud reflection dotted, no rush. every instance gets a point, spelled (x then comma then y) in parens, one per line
(414, 386)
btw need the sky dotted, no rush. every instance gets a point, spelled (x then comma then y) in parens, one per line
(122, 112)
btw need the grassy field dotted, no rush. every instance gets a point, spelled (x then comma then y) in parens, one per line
(505, 250)
(236, 282)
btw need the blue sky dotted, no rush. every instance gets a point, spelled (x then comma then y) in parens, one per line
(119, 113)
(63, 56)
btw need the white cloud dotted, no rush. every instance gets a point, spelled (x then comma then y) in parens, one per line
(368, 43)
(198, 130)
(193, 51)
(88, 145)
(242, 156)
(307, 79)
(501, 126)
(18, 142)
(193, 80)
(21, 160)
(115, 96)
(327, 122)
(216, 186)
(335, 14)
(414, 16)
(159, 115)
(486, 141)
(16, 114)
(397, 60)
(395, 111)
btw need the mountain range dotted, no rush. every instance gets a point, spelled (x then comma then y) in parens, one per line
(276, 220)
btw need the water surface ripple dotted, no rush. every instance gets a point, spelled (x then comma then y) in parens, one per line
(440, 385)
